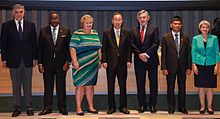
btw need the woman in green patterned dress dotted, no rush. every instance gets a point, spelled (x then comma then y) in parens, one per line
(85, 53)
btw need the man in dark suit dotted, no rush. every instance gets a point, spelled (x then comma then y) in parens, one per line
(176, 62)
(216, 29)
(54, 58)
(19, 54)
(145, 43)
(116, 58)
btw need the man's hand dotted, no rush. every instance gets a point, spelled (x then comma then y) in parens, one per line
(105, 65)
(41, 68)
(128, 64)
(143, 57)
(188, 72)
(165, 72)
(66, 66)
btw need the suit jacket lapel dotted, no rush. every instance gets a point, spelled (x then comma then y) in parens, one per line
(59, 35)
(122, 37)
(50, 36)
(172, 41)
(181, 40)
(138, 35)
(113, 36)
(201, 42)
(15, 29)
(146, 32)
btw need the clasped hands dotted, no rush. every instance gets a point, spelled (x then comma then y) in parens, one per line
(143, 57)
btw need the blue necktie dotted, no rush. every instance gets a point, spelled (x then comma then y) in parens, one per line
(20, 31)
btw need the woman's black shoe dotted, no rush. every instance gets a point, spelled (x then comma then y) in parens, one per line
(93, 112)
(202, 111)
(80, 113)
(210, 111)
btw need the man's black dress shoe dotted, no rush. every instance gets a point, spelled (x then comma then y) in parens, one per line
(45, 111)
(210, 111)
(80, 113)
(111, 111)
(153, 109)
(142, 109)
(63, 112)
(30, 112)
(183, 110)
(93, 112)
(124, 110)
(171, 111)
(16, 113)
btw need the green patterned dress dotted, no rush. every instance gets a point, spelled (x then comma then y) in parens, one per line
(86, 46)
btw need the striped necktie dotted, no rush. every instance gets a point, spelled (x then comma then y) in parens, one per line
(177, 44)
(54, 35)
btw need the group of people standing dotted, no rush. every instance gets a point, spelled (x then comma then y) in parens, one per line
(56, 49)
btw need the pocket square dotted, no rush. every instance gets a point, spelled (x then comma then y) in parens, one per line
(63, 36)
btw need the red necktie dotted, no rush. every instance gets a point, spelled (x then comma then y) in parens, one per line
(142, 34)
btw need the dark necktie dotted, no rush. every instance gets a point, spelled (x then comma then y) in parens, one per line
(20, 31)
(142, 34)
(176, 42)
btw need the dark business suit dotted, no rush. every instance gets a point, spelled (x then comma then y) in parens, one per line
(216, 31)
(53, 57)
(176, 67)
(150, 47)
(116, 59)
(19, 55)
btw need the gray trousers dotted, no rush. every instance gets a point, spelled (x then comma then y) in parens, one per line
(22, 77)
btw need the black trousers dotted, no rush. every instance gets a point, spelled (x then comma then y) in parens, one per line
(52, 74)
(121, 72)
(141, 68)
(181, 81)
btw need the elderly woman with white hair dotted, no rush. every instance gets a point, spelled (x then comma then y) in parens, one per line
(205, 59)
(86, 55)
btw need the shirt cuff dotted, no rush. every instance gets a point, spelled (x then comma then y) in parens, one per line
(147, 55)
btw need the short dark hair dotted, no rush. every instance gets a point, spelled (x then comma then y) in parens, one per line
(50, 14)
(216, 19)
(176, 18)
(53, 12)
(116, 13)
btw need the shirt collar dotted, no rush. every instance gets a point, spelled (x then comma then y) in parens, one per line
(117, 29)
(57, 27)
(145, 26)
(173, 33)
(16, 21)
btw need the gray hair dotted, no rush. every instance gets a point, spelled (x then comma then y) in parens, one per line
(18, 6)
(204, 22)
(141, 12)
